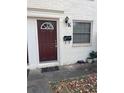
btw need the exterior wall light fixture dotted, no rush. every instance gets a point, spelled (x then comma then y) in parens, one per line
(67, 21)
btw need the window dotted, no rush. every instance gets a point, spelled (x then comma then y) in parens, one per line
(47, 25)
(81, 32)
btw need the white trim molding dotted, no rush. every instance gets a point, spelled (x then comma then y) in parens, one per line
(36, 49)
(46, 10)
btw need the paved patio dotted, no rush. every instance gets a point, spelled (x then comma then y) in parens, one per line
(37, 81)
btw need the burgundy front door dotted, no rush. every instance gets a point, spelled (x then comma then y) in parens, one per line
(47, 40)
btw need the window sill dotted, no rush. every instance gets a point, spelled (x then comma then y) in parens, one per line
(82, 45)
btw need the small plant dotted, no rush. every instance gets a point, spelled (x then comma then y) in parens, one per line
(92, 57)
(93, 54)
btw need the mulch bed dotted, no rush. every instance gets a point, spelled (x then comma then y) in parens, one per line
(83, 84)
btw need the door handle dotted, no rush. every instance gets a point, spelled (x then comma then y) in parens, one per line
(55, 45)
(55, 42)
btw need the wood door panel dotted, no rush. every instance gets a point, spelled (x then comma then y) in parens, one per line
(47, 40)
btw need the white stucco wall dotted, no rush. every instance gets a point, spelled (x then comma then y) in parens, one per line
(75, 10)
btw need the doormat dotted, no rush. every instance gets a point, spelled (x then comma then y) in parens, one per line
(49, 69)
(82, 84)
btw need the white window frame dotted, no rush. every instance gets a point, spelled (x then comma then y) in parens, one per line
(91, 34)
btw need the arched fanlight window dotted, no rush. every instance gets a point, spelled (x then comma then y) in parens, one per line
(47, 26)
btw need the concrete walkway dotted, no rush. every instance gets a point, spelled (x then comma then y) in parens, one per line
(37, 81)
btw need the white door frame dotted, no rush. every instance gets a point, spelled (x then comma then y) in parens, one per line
(49, 63)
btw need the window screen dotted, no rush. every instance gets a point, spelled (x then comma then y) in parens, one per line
(81, 32)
